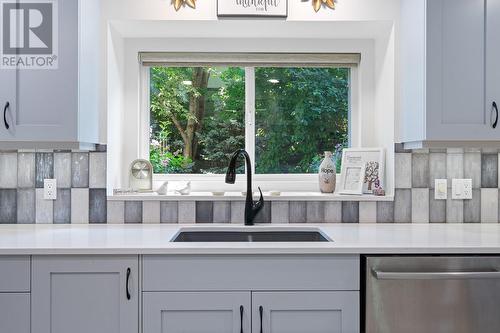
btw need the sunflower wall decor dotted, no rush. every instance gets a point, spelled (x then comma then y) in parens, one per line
(317, 4)
(179, 3)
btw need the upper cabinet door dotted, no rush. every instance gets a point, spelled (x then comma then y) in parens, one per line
(300, 312)
(456, 54)
(493, 64)
(8, 107)
(47, 107)
(85, 294)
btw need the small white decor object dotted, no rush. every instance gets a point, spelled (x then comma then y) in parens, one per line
(141, 175)
(162, 190)
(371, 163)
(327, 174)
(186, 190)
(242, 8)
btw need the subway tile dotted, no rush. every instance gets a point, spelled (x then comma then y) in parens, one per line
(472, 168)
(26, 170)
(237, 212)
(333, 212)
(97, 170)
(26, 206)
(62, 206)
(44, 168)
(315, 212)
(133, 212)
(437, 209)
(489, 205)
(204, 211)
(44, 209)
(385, 212)
(80, 170)
(402, 206)
(8, 167)
(168, 212)
(80, 205)
(8, 206)
(280, 212)
(455, 150)
(454, 166)
(187, 212)
(420, 205)
(472, 208)
(298, 211)
(350, 212)
(62, 169)
(399, 148)
(222, 212)
(489, 171)
(101, 148)
(454, 210)
(420, 170)
(403, 171)
(368, 212)
(264, 216)
(437, 167)
(115, 212)
(151, 211)
(97, 206)
(489, 150)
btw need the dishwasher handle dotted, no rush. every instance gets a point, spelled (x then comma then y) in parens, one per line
(451, 275)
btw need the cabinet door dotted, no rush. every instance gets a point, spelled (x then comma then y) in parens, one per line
(196, 312)
(8, 79)
(493, 61)
(300, 312)
(456, 74)
(47, 108)
(85, 294)
(15, 313)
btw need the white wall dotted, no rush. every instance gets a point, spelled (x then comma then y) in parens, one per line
(365, 26)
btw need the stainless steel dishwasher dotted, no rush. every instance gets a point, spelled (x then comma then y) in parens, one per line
(432, 294)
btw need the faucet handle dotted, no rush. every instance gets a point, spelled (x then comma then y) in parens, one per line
(258, 205)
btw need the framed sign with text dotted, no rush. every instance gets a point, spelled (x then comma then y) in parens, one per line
(252, 8)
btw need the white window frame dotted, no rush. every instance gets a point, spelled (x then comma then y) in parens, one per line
(215, 182)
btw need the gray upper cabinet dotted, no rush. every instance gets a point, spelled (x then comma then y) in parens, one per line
(311, 312)
(85, 294)
(196, 312)
(449, 58)
(57, 107)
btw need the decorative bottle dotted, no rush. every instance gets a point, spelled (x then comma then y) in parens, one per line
(327, 174)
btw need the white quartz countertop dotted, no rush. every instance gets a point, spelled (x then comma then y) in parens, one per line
(155, 239)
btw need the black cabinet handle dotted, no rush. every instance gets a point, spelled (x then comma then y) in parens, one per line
(7, 105)
(127, 285)
(261, 312)
(241, 318)
(496, 115)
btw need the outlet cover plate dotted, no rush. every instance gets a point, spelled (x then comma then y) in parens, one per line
(461, 189)
(440, 189)
(49, 189)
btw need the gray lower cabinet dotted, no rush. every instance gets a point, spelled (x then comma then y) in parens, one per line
(15, 312)
(196, 312)
(300, 312)
(82, 294)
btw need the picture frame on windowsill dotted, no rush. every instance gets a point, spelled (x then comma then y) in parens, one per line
(363, 170)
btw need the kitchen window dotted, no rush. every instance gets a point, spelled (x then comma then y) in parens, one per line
(284, 109)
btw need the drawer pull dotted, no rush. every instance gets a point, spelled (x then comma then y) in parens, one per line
(7, 105)
(127, 284)
(381, 275)
(241, 318)
(495, 107)
(261, 312)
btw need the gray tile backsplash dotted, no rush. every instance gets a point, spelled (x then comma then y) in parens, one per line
(81, 179)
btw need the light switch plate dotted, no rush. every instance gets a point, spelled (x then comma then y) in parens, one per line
(49, 189)
(440, 189)
(461, 189)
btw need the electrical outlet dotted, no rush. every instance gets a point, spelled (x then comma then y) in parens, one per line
(440, 189)
(461, 189)
(49, 189)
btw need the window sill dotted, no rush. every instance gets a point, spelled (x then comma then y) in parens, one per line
(238, 196)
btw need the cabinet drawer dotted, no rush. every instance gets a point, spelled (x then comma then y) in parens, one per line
(15, 313)
(250, 272)
(14, 274)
